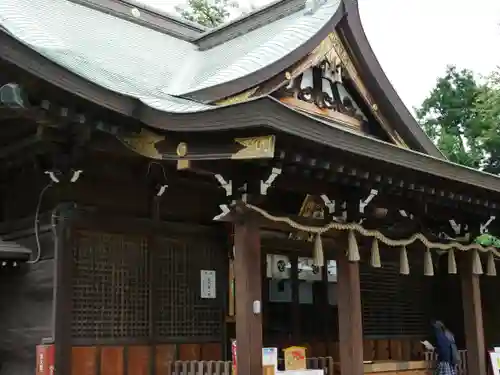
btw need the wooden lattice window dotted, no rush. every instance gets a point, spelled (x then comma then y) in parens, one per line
(394, 304)
(181, 311)
(111, 289)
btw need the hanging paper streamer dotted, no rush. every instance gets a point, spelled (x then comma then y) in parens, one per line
(477, 267)
(404, 267)
(452, 263)
(491, 269)
(353, 250)
(428, 265)
(318, 255)
(375, 255)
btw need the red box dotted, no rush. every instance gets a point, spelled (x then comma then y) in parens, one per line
(45, 359)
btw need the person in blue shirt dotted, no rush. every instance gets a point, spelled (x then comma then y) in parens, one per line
(446, 350)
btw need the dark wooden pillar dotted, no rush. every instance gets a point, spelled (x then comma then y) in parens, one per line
(62, 293)
(247, 269)
(350, 318)
(473, 318)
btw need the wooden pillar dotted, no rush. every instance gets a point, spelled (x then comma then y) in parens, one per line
(473, 318)
(62, 292)
(247, 269)
(350, 317)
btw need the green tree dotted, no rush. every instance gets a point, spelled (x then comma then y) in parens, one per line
(450, 117)
(488, 110)
(462, 117)
(209, 13)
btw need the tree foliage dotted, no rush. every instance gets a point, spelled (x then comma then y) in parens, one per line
(209, 13)
(449, 117)
(488, 109)
(462, 117)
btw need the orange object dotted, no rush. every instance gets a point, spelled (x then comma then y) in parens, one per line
(45, 358)
(268, 370)
(295, 358)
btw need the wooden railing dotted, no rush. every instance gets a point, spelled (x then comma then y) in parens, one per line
(200, 368)
(224, 367)
(324, 363)
(431, 358)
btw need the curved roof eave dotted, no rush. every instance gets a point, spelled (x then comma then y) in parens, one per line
(264, 111)
(378, 84)
(226, 89)
(270, 112)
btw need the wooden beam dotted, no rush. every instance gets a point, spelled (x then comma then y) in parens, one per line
(350, 318)
(473, 318)
(247, 269)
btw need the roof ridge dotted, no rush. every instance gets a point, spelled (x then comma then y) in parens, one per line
(139, 13)
(262, 16)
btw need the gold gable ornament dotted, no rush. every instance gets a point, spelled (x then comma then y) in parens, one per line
(295, 358)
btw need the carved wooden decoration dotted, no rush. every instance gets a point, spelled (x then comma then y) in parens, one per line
(156, 146)
(314, 85)
(319, 91)
(312, 207)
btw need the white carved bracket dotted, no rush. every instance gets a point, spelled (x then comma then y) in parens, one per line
(76, 175)
(456, 227)
(483, 228)
(366, 202)
(264, 185)
(224, 211)
(330, 204)
(53, 175)
(228, 186)
(161, 190)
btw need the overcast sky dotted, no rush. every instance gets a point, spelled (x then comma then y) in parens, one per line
(414, 40)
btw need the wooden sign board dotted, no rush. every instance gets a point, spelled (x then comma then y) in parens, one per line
(295, 358)
(208, 283)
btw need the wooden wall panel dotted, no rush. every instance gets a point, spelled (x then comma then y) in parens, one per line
(406, 349)
(164, 355)
(318, 348)
(368, 350)
(382, 350)
(333, 350)
(211, 352)
(138, 360)
(112, 360)
(84, 360)
(189, 352)
(395, 349)
(417, 349)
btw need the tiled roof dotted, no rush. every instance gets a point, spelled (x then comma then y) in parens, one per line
(143, 63)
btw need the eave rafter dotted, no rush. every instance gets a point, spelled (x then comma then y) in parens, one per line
(321, 171)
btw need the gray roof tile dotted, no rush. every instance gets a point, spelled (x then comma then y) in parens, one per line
(143, 63)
